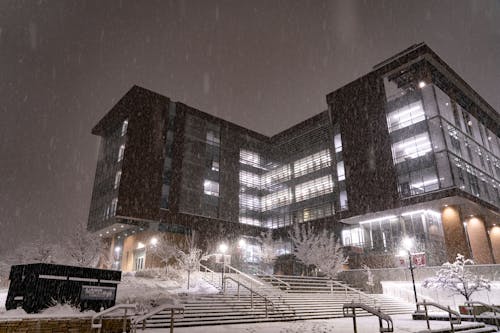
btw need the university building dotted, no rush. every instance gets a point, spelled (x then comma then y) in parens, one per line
(409, 149)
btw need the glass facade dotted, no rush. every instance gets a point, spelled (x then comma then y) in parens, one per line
(437, 143)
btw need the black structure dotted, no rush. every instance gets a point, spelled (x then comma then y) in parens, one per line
(35, 287)
(407, 150)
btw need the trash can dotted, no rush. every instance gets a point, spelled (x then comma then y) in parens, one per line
(35, 287)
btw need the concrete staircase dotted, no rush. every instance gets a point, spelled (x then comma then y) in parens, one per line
(305, 298)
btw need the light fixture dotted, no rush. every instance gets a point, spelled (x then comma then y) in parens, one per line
(379, 219)
(242, 243)
(100, 235)
(421, 84)
(407, 243)
(223, 248)
(140, 245)
(154, 241)
(118, 249)
(114, 229)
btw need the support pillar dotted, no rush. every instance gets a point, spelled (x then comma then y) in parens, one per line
(454, 233)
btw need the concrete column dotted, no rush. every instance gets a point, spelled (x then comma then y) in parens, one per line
(495, 242)
(478, 239)
(454, 233)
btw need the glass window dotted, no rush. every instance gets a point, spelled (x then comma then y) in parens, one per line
(340, 171)
(277, 175)
(250, 202)
(213, 138)
(312, 163)
(343, 200)
(277, 199)
(353, 236)
(121, 151)
(114, 203)
(117, 179)
(215, 166)
(250, 158)
(411, 148)
(405, 116)
(211, 188)
(124, 127)
(313, 188)
(248, 220)
(337, 139)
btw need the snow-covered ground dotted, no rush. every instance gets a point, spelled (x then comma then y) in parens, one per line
(3, 298)
(402, 323)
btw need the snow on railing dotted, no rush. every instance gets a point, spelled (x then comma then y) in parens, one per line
(176, 311)
(116, 308)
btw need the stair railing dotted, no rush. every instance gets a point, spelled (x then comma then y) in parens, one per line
(252, 293)
(451, 313)
(99, 316)
(175, 310)
(488, 306)
(349, 310)
(358, 292)
(213, 274)
(245, 275)
(271, 277)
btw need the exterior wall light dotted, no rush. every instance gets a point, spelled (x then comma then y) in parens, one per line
(422, 84)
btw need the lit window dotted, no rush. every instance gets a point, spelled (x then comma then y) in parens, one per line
(340, 171)
(248, 220)
(121, 151)
(124, 127)
(354, 236)
(313, 188)
(249, 179)
(343, 200)
(211, 188)
(215, 166)
(117, 179)
(411, 148)
(276, 176)
(405, 116)
(337, 139)
(250, 202)
(277, 199)
(312, 163)
(213, 138)
(250, 158)
(114, 203)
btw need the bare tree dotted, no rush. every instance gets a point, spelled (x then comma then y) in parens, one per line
(165, 249)
(320, 249)
(81, 248)
(267, 249)
(190, 256)
(456, 278)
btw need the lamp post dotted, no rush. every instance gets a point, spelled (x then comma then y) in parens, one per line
(222, 250)
(407, 245)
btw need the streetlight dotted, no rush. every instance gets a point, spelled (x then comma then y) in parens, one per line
(222, 250)
(407, 245)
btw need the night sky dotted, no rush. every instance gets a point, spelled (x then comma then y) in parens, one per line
(265, 65)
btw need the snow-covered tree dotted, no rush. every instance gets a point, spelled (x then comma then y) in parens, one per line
(369, 277)
(189, 256)
(80, 248)
(267, 248)
(165, 249)
(320, 249)
(458, 279)
(40, 250)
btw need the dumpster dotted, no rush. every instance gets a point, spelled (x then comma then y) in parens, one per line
(35, 287)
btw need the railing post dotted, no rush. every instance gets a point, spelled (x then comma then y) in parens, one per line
(451, 322)
(172, 320)
(379, 322)
(124, 326)
(238, 291)
(345, 291)
(251, 299)
(354, 320)
(426, 315)
(496, 318)
(265, 302)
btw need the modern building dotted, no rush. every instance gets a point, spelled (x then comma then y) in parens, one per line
(409, 149)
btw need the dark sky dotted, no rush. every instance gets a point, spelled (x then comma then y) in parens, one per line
(265, 65)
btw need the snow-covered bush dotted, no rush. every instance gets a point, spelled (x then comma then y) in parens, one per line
(165, 249)
(268, 253)
(456, 278)
(320, 249)
(80, 248)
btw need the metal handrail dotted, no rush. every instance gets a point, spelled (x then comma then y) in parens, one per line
(252, 292)
(488, 306)
(231, 268)
(212, 273)
(359, 292)
(174, 310)
(381, 316)
(273, 277)
(447, 309)
(112, 309)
